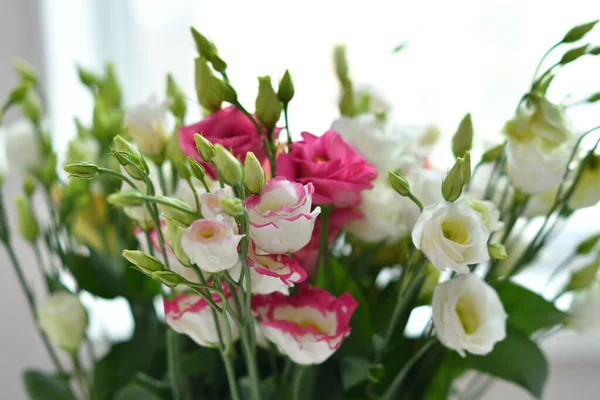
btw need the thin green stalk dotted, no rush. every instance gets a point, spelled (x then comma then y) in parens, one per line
(108, 171)
(234, 392)
(179, 386)
(40, 262)
(162, 181)
(268, 137)
(250, 355)
(196, 199)
(297, 386)
(149, 242)
(322, 254)
(537, 69)
(82, 377)
(169, 204)
(287, 125)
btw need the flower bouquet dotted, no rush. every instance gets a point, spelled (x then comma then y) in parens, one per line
(290, 269)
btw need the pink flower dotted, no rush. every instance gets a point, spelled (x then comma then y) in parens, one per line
(280, 217)
(308, 327)
(191, 315)
(228, 127)
(337, 171)
(270, 272)
(338, 219)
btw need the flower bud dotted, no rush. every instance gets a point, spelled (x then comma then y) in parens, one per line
(229, 167)
(32, 108)
(452, 185)
(211, 91)
(173, 234)
(176, 97)
(497, 251)
(268, 106)
(82, 170)
(285, 93)
(143, 260)
(340, 62)
(466, 170)
(399, 183)
(208, 50)
(29, 187)
(132, 198)
(584, 277)
(254, 174)
(129, 158)
(205, 148)
(19, 93)
(168, 278)
(86, 77)
(492, 154)
(463, 138)
(27, 223)
(25, 70)
(64, 320)
(197, 169)
(232, 206)
(578, 32)
(174, 210)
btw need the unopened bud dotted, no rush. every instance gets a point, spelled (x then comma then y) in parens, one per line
(64, 320)
(177, 98)
(32, 108)
(133, 198)
(168, 278)
(82, 170)
(268, 106)
(229, 167)
(86, 77)
(174, 209)
(143, 260)
(466, 170)
(578, 32)
(399, 183)
(27, 223)
(254, 174)
(129, 158)
(184, 171)
(211, 91)
(197, 169)
(232, 206)
(29, 186)
(497, 251)
(19, 93)
(173, 234)
(25, 70)
(205, 148)
(492, 154)
(463, 138)
(286, 88)
(452, 185)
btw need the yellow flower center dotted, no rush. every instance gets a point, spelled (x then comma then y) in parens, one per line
(467, 314)
(320, 159)
(455, 231)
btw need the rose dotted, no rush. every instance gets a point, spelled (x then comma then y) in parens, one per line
(211, 244)
(147, 126)
(280, 217)
(228, 127)
(337, 171)
(308, 327)
(191, 315)
(468, 315)
(452, 236)
(64, 320)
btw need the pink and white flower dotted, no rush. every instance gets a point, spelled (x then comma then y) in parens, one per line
(271, 272)
(211, 244)
(280, 217)
(210, 203)
(308, 327)
(191, 315)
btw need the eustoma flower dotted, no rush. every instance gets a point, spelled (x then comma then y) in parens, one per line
(211, 244)
(308, 327)
(280, 217)
(452, 236)
(468, 315)
(147, 126)
(228, 127)
(64, 320)
(337, 171)
(191, 315)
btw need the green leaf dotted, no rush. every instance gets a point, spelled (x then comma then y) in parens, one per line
(585, 277)
(356, 370)
(574, 54)
(463, 138)
(588, 245)
(94, 274)
(528, 311)
(516, 359)
(440, 385)
(43, 386)
(578, 32)
(136, 392)
(492, 154)
(593, 98)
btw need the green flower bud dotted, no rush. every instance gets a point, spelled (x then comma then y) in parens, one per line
(285, 93)
(184, 171)
(87, 77)
(174, 210)
(197, 169)
(584, 277)
(497, 251)
(19, 93)
(254, 174)
(204, 46)
(588, 245)
(82, 170)
(232, 206)
(205, 148)
(452, 185)
(27, 223)
(168, 278)
(463, 138)
(211, 91)
(268, 106)
(398, 183)
(32, 108)
(129, 158)
(25, 70)
(177, 98)
(574, 54)
(492, 154)
(29, 187)
(340, 62)
(143, 260)
(64, 320)
(347, 103)
(229, 167)
(578, 32)
(132, 198)
(467, 168)
(173, 233)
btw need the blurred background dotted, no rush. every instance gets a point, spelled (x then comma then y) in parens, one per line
(460, 56)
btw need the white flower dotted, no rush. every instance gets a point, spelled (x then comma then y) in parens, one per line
(487, 209)
(377, 103)
(83, 149)
(64, 320)
(468, 315)
(541, 203)
(22, 147)
(384, 216)
(425, 185)
(211, 244)
(280, 218)
(452, 236)
(210, 203)
(587, 190)
(191, 315)
(501, 191)
(308, 327)
(184, 191)
(147, 126)
(585, 310)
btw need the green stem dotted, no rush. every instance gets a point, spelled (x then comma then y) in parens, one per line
(176, 376)
(125, 179)
(297, 386)
(537, 69)
(322, 254)
(169, 204)
(196, 199)
(250, 355)
(81, 375)
(235, 395)
(287, 125)
(149, 242)
(162, 181)
(40, 262)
